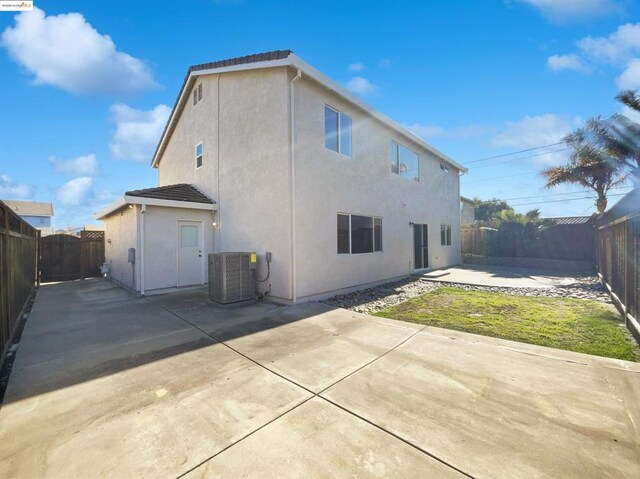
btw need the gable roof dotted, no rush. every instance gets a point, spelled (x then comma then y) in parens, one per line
(281, 58)
(179, 192)
(171, 196)
(30, 208)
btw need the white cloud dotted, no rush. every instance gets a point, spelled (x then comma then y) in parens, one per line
(617, 48)
(361, 86)
(567, 10)
(384, 63)
(535, 131)
(82, 165)
(76, 191)
(567, 62)
(67, 52)
(356, 67)
(630, 78)
(426, 131)
(11, 190)
(137, 131)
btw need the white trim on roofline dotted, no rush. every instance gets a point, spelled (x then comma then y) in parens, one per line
(296, 62)
(139, 200)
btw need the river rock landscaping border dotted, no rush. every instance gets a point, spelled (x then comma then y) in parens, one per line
(376, 299)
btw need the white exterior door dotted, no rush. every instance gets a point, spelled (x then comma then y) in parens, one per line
(190, 253)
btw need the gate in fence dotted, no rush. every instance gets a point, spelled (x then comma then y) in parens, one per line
(66, 257)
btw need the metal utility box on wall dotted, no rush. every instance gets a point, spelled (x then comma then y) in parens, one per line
(232, 277)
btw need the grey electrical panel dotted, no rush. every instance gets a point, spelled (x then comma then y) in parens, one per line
(232, 277)
(132, 255)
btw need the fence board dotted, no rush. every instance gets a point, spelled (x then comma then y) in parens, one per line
(618, 256)
(18, 271)
(67, 257)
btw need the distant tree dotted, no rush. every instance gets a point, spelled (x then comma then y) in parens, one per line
(589, 165)
(487, 210)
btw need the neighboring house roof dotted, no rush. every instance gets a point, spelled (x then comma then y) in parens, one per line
(281, 58)
(467, 200)
(571, 220)
(30, 208)
(171, 196)
(180, 192)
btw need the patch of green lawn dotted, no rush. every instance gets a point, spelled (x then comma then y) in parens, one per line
(564, 323)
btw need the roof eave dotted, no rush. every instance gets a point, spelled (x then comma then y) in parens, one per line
(139, 200)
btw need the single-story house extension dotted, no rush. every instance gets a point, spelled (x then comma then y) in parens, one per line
(264, 153)
(37, 213)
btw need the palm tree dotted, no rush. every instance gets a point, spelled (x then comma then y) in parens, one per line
(589, 165)
(518, 233)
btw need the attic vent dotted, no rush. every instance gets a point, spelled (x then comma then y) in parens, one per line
(444, 167)
(197, 94)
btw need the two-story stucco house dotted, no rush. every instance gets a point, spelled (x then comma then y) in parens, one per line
(264, 153)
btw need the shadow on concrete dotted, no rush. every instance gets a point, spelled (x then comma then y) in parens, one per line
(84, 330)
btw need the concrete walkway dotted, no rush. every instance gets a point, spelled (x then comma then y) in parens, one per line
(108, 385)
(501, 276)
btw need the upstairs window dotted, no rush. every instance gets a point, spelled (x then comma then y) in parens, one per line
(444, 167)
(197, 94)
(337, 131)
(445, 235)
(404, 162)
(199, 155)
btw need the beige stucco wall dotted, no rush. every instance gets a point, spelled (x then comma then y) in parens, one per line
(161, 243)
(328, 183)
(243, 122)
(123, 231)
(120, 235)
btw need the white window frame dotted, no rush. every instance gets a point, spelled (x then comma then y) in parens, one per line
(373, 222)
(448, 235)
(397, 173)
(195, 151)
(339, 132)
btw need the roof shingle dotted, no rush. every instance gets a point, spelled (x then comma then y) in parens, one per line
(571, 220)
(179, 192)
(255, 58)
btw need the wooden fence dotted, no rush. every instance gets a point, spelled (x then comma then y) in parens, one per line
(66, 257)
(559, 242)
(18, 271)
(618, 254)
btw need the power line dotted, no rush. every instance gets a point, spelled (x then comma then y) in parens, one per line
(560, 194)
(519, 158)
(512, 153)
(566, 199)
(500, 177)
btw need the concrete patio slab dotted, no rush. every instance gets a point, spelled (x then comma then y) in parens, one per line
(500, 276)
(503, 410)
(157, 413)
(109, 385)
(311, 344)
(318, 439)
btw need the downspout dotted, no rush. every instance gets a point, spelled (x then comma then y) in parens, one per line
(143, 210)
(292, 117)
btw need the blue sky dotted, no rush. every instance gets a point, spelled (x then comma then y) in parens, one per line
(85, 87)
